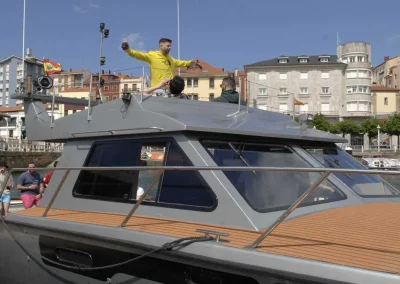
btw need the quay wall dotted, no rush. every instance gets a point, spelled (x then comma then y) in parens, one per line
(22, 159)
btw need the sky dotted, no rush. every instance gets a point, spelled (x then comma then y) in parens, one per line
(225, 33)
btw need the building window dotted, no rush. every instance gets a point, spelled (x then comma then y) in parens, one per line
(283, 107)
(196, 83)
(304, 108)
(385, 101)
(105, 88)
(134, 87)
(303, 60)
(358, 106)
(283, 76)
(173, 189)
(352, 59)
(196, 97)
(360, 59)
(324, 59)
(363, 89)
(325, 75)
(351, 89)
(189, 82)
(114, 88)
(304, 91)
(351, 74)
(325, 107)
(211, 97)
(262, 76)
(303, 75)
(282, 60)
(325, 90)
(282, 91)
(211, 83)
(114, 97)
(262, 92)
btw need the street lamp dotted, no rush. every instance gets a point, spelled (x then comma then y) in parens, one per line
(379, 138)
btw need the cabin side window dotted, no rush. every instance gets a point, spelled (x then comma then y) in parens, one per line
(267, 191)
(171, 189)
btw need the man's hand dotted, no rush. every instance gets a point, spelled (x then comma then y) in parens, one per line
(125, 46)
(33, 186)
(38, 197)
(195, 64)
(165, 81)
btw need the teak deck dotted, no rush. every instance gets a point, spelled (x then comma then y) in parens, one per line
(364, 236)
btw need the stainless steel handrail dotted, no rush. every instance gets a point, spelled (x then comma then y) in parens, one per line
(325, 173)
(216, 168)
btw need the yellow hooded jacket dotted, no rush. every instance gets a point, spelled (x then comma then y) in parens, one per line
(161, 66)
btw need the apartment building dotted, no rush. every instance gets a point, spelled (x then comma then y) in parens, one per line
(357, 57)
(69, 79)
(380, 73)
(203, 84)
(315, 81)
(385, 101)
(131, 83)
(392, 80)
(11, 74)
(111, 89)
(338, 86)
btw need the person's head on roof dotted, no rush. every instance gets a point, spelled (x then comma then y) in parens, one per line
(176, 85)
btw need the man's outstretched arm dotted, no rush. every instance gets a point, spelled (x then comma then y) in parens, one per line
(142, 56)
(158, 86)
(187, 63)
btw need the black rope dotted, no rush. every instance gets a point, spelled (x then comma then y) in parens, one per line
(183, 242)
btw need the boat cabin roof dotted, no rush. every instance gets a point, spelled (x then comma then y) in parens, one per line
(158, 115)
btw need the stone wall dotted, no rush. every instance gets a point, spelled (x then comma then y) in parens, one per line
(22, 159)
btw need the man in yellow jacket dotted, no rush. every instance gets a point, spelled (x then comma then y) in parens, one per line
(162, 65)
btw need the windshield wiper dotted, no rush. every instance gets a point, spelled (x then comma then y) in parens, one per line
(239, 154)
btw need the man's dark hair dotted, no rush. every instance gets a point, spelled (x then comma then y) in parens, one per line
(162, 40)
(229, 82)
(176, 85)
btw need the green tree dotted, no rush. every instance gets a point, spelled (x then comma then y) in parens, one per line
(320, 122)
(392, 125)
(348, 127)
(335, 129)
(369, 126)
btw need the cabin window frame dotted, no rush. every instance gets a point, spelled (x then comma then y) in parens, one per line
(273, 143)
(143, 141)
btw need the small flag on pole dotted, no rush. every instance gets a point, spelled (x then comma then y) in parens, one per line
(51, 67)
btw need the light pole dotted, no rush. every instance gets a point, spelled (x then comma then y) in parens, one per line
(179, 47)
(379, 138)
(103, 34)
(21, 83)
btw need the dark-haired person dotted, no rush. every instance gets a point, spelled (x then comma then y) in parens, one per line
(162, 65)
(175, 87)
(229, 94)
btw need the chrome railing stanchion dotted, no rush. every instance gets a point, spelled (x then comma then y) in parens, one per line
(53, 198)
(142, 197)
(290, 209)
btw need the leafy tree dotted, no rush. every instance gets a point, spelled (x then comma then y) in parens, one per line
(320, 122)
(392, 125)
(369, 127)
(348, 127)
(335, 129)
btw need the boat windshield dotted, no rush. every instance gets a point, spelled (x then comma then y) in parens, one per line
(268, 191)
(362, 184)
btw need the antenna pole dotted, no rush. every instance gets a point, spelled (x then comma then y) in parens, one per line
(337, 38)
(23, 47)
(179, 48)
